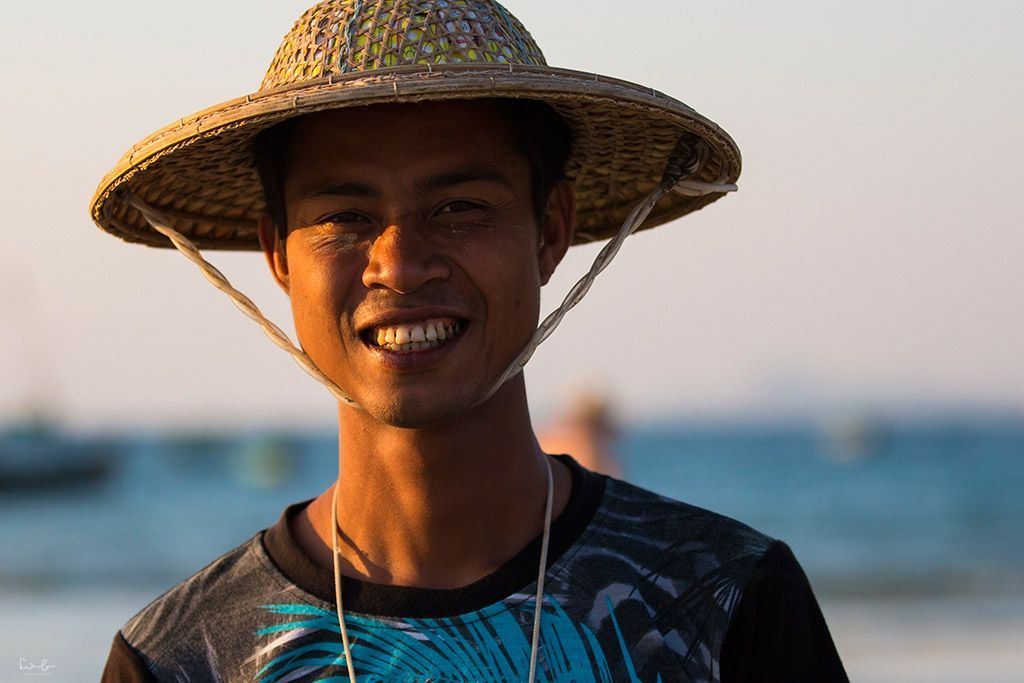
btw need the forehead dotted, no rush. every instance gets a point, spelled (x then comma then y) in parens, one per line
(402, 136)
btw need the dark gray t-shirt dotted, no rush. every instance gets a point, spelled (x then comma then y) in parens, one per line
(638, 588)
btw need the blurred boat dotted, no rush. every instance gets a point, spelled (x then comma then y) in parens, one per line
(267, 461)
(854, 437)
(37, 456)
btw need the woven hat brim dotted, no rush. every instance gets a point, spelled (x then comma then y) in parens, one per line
(199, 171)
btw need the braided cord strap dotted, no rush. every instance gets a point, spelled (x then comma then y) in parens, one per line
(670, 183)
(160, 223)
(339, 608)
(682, 164)
(538, 604)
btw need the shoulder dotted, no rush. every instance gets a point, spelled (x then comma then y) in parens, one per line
(726, 589)
(638, 521)
(660, 579)
(182, 629)
(778, 631)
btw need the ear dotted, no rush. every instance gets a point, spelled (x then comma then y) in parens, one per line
(557, 231)
(273, 250)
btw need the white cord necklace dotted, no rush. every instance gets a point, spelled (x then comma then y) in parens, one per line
(681, 165)
(538, 603)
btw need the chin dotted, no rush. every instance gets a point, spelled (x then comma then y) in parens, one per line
(415, 413)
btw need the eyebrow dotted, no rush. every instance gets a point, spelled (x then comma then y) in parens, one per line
(425, 186)
(347, 189)
(459, 177)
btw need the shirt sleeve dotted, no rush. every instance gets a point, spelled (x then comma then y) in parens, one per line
(124, 665)
(778, 632)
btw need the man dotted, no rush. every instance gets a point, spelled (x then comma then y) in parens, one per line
(422, 174)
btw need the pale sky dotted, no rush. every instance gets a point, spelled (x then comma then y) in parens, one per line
(869, 261)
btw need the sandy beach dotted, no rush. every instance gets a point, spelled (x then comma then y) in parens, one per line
(952, 641)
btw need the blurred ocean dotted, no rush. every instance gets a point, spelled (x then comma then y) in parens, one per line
(912, 534)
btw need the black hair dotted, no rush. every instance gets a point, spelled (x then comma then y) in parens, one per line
(539, 133)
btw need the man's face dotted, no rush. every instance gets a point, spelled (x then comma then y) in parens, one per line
(414, 258)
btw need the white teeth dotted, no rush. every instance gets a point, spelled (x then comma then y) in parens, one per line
(413, 337)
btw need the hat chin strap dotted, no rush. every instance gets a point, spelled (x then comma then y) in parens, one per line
(680, 165)
(633, 221)
(161, 224)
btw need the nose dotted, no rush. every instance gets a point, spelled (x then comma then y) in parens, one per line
(403, 259)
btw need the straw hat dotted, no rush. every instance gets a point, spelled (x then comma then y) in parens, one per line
(199, 173)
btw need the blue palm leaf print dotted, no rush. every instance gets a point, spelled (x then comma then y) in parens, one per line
(487, 645)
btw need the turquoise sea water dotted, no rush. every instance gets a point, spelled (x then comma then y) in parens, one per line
(930, 516)
(926, 509)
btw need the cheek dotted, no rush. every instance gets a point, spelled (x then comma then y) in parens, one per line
(317, 298)
(520, 298)
(526, 307)
(514, 277)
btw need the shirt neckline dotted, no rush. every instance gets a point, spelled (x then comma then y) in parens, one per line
(516, 575)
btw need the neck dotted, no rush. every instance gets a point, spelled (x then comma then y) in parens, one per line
(438, 506)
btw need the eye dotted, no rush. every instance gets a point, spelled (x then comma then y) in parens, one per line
(340, 231)
(458, 206)
(343, 218)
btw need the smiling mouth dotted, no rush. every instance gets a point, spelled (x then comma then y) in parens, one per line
(414, 336)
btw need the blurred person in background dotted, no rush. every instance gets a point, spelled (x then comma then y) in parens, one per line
(587, 429)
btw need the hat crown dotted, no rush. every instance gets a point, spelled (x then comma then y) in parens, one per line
(338, 37)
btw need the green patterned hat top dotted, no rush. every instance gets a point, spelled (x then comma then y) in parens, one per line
(338, 37)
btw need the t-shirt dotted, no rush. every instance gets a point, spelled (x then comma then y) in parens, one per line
(638, 588)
